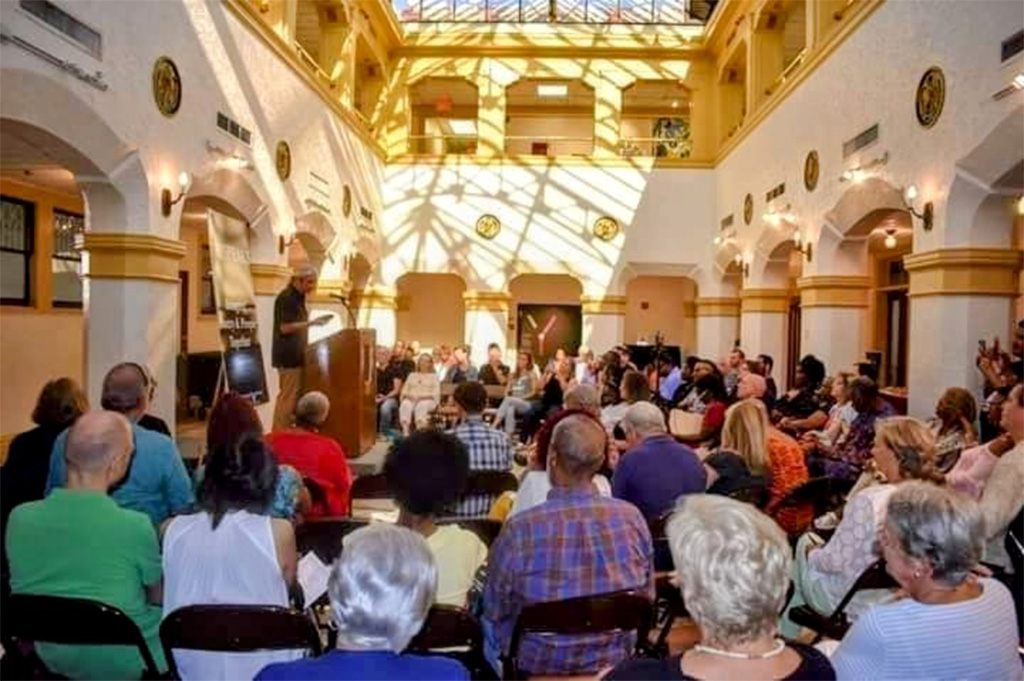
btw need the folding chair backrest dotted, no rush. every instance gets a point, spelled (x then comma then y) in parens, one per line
(491, 482)
(448, 627)
(1014, 543)
(484, 528)
(237, 629)
(874, 576)
(324, 536)
(368, 487)
(75, 621)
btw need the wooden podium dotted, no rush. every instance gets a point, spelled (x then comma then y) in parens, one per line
(342, 367)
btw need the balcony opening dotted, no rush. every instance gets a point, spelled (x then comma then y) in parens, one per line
(782, 26)
(369, 82)
(444, 116)
(732, 93)
(548, 117)
(656, 119)
(320, 31)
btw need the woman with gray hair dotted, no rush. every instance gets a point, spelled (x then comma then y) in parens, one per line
(948, 623)
(732, 563)
(381, 589)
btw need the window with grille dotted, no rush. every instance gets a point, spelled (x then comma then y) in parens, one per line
(66, 263)
(207, 303)
(17, 223)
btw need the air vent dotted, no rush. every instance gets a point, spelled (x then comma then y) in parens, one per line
(234, 128)
(1013, 45)
(727, 221)
(775, 193)
(865, 139)
(88, 39)
(366, 213)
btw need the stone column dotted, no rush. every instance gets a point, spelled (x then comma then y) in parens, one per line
(718, 326)
(130, 307)
(268, 280)
(834, 319)
(604, 321)
(376, 308)
(958, 296)
(763, 317)
(486, 322)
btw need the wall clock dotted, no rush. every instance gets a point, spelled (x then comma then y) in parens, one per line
(931, 97)
(283, 160)
(488, 226)
(606, 228)
(166, 86)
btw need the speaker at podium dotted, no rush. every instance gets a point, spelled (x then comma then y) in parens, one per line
(342, 367)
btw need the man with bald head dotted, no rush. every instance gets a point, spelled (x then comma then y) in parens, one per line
(156, 483)
(78, 543)
(577, 543)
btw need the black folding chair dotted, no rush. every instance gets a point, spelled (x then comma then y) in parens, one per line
(236, 629)
(323, 536)
(454, 632)
(620, 611)
(493, 483)
(31, 618)
(824, 494)
(835, 625)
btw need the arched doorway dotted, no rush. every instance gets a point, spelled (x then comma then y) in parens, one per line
(547, 313)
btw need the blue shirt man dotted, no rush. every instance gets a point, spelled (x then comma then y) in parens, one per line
(669, 384)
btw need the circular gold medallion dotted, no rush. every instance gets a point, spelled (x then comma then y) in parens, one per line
(346, 201)
(606, 228)
(488, 226)
(931, 97)
(166, 86)
(283, 159)
(748, 209)
(811, 170)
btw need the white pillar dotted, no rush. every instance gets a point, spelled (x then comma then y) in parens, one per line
(486, 322)
(604, 322)
(833, 319)
(718, 326)
(763, 323)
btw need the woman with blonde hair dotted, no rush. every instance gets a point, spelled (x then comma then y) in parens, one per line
(953, 426)
(768, 453)
(904, 449)
(421, 393)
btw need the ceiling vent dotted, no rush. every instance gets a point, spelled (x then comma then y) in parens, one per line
(234, 128)
(775, 192)
(727, 221)
(864, 139)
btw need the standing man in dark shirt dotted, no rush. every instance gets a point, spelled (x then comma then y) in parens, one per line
(291, 324)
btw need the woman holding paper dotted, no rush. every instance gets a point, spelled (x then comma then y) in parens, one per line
(231, 552)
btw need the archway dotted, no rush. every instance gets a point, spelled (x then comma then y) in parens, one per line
(547, 314)
(431, 309)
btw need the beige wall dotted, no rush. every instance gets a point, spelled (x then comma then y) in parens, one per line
(39, 342)
(430, 309)
(203, 334)
(670, 310)
(549, 128)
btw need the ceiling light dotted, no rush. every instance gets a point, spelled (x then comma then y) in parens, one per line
(718, 240)
(675, 104)
(552, 90)
(890, 239)
(464, 127)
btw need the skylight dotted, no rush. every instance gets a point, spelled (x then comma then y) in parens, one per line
(552, 90)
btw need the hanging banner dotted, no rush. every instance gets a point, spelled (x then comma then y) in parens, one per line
(236, 306)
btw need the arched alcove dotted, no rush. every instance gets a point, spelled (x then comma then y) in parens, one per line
(430, 309)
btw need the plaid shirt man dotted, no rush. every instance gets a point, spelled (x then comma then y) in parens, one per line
(577, 543)
(489, 450)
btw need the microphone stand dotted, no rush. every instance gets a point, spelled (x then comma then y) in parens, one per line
(658, 347)
(344, 302)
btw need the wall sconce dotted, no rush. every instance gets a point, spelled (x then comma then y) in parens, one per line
(926, 215)
(743, 262)
(283, 243)
(805, 248)
(858, 174)
(166, 202)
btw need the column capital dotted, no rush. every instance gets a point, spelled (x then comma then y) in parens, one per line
(123, 255)
(604, 305)
(269, 278)
(717, 307)
(326, 289)
(833, 291)
(375, 297)
(964, 272)
(486, 301)
(771, 300)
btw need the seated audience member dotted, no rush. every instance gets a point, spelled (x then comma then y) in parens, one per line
(489, 449)
(381, 589)
(581, 400)
(632, 389)
(230, 552)
(655, 470)
(954, 427)
(734, 367)
(625, 358)
(803, 408)
(555, 386)
(148, 421)
(522, 391)
(577, 543)
(389, 388)
(314, 456)
(157, 483)
(495, 372)
(442, 356)
(691, 400)
(751, 385)
(23, 476)
(426, 473)
(840, 417)
(846, 460)
(560, 356)
(1003, 496)
(732, 564)
(78, 543)
(586, 367)
(904, 450)
(460, 370)
(772, 392)
(671, 377)
(768, 453)
(712, 394)
(421, 394)
(868, 370)
(610, 378)
(233, 419)
(949, 624)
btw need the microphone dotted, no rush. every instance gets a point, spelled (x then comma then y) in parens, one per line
(344, 301)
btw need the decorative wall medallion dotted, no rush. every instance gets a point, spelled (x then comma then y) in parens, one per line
(166, 86)
(606, 228)
(346, 201)
(488, 226)
(931, 97)
(748, 209)
(283, 159)
(811, 170)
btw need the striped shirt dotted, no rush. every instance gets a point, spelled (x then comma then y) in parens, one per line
(489, 450)
(577, 543)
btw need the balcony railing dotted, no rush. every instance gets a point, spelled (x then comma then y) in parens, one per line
(656, 147)
(557, 11)
(438, 145)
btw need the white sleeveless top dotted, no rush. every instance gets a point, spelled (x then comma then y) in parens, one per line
(236, 564)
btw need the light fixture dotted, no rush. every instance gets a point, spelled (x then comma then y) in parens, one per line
(776, 217)
(926, 215)
(890, 238)
(1016, 85)
(805, 248)
(858, 174)
(283, 243)
(552, 90)
(166, 202)
(1020, 206)
(743, 263)
(718, 241)
(675, 103)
